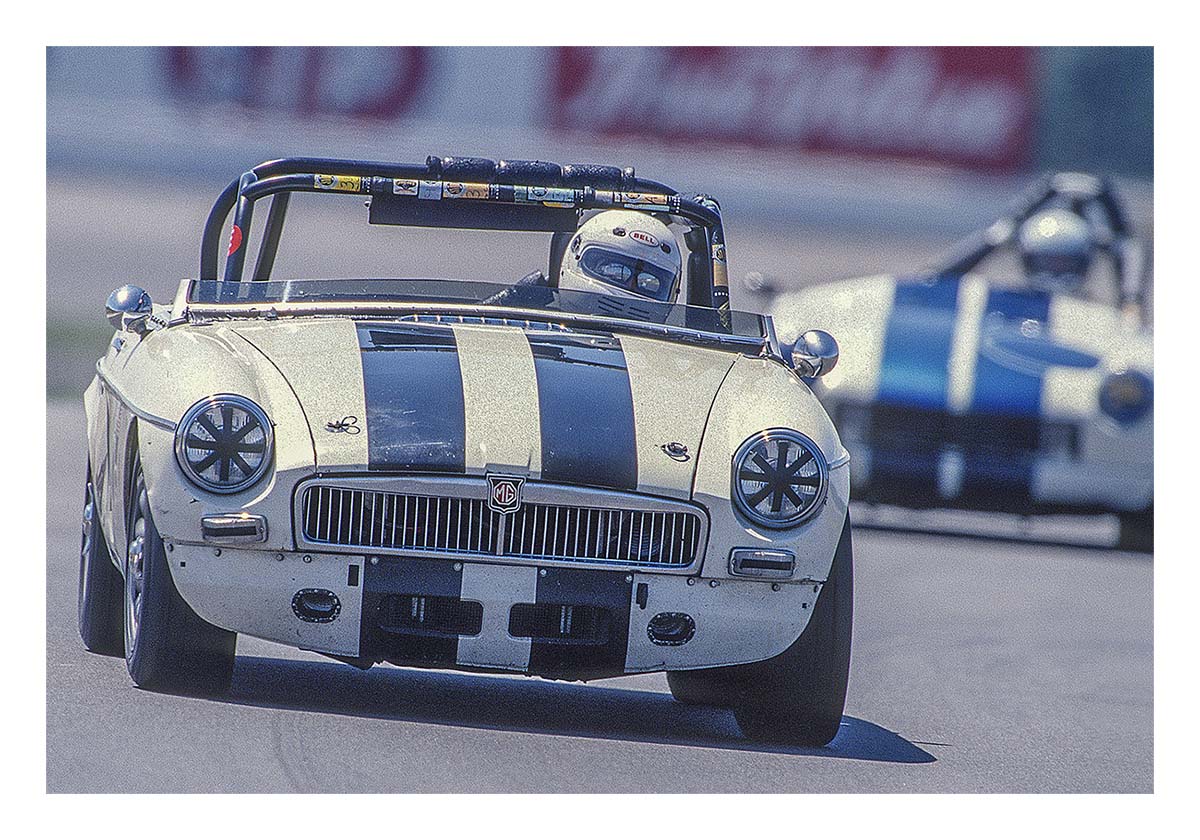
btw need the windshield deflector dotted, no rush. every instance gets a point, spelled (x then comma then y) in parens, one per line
(458, 298)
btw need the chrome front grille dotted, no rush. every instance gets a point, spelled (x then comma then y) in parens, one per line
(590, 528)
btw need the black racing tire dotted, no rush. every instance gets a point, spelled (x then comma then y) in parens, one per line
(1137, 531)
(99, 596)
(798, 696)
(167, 646)
(695, 688)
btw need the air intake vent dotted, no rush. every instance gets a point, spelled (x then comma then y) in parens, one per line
(430, 615)
(560, 623)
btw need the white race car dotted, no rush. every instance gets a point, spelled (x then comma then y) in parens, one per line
(959, 392)
(471, 475)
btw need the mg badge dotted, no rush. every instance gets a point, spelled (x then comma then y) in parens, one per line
(504, 492)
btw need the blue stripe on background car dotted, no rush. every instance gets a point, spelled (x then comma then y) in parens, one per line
(1009, 390)
(914, 376)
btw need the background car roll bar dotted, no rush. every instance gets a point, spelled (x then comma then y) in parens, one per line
(575, 187)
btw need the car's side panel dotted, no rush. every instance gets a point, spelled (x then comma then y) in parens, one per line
(96, 412)
(761, 394)
(252, 592)
(737, 621)
(197, 364)
(1115, 465)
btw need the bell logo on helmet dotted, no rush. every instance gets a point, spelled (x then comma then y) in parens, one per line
(644, 238)
(504, 493)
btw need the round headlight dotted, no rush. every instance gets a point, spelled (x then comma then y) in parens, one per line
(1127, 396)
(779, 478)
(223, 443)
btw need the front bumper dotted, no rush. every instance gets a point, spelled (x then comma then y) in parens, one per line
(569, 623)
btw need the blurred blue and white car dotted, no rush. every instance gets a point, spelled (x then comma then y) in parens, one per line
(956, 391)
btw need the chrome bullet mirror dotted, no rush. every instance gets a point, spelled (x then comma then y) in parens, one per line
(815, 354)
(128, 308)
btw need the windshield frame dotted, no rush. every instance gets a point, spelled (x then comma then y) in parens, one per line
(198, 312)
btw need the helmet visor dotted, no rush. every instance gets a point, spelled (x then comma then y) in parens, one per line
(628, 273)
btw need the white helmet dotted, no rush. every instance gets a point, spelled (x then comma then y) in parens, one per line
(623, 253)
(1057, 247)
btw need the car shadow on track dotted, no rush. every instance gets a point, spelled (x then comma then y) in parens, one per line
(524, 705)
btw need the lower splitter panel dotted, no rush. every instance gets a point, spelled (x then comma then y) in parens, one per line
(550, 622)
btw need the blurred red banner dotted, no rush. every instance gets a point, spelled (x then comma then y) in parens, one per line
(372, 82)
(967, 106)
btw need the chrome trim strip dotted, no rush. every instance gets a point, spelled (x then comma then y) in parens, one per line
(739, 555)
(237, 523)
(533, 492)
(152, 419)
(840, 462)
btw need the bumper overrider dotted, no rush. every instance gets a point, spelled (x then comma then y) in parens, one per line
(574, 583)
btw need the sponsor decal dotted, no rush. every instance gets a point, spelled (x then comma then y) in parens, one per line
(643, 201)
(644, 238)
(549, 196)
(338, 183)
(401, 186)
(430, 190)
(235, 240)
(718, 252)
(504, 493)
(461, 190)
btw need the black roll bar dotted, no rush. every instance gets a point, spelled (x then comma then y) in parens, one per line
(575, 187)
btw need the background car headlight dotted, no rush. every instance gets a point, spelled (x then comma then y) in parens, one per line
(224, 443)
(780, 478)
(1127, 396)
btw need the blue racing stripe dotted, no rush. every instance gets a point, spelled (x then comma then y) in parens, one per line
(914, 368)
(914, 381)
(1002, 387)
(1006, 388)
(416, 419)
(586, 407)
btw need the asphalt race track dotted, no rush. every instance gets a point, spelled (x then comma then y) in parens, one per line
(978, 665)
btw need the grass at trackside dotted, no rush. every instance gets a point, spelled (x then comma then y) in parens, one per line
(72, 349)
